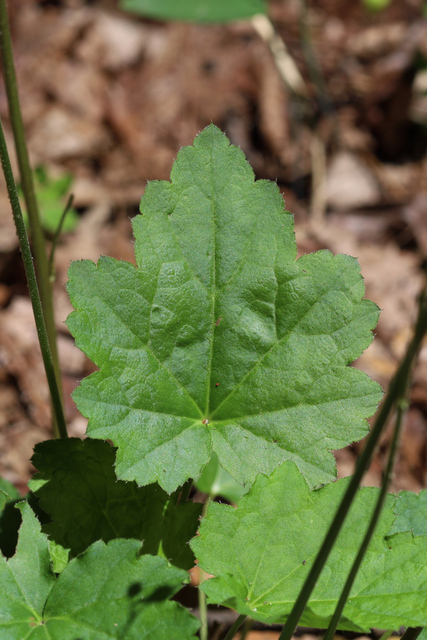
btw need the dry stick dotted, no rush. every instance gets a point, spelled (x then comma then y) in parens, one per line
(41, 262)
(395, 392)
(32, 285)
(285, 64)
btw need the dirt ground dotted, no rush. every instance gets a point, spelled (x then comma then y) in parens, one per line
(110, 98)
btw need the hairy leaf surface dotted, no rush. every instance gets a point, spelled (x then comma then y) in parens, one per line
(411, 513)
(196, 10)
(108, 593)
(220, 340)
(78, 488)
(261, 552)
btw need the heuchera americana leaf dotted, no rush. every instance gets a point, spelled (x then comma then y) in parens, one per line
(219, 339)
(110, 592)
(78, 488)
(261, 551)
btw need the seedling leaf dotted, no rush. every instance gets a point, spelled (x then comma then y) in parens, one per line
(108, 593)
(78, 488)
(261, 552)
(219, 340)
(196, 10)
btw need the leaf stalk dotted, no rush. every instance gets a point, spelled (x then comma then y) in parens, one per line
(32, 285)
(36, 232)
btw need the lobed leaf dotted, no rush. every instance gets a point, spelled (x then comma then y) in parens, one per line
(78, 488)
(196, 10)
(262, 551)
(219, 340)
(109, 593)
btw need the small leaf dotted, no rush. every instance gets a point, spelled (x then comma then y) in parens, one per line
(261, 552)
(411, 513)
(266, 383)
(78, 488)
(109, 593)
(196, 10)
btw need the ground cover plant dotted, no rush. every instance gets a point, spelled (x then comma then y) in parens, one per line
(219, 350)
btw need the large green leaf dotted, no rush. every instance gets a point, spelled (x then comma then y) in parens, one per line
(219, 339)
(108, 593)
(78, 488)
(196, 10)
(261, 552)
(411, 513)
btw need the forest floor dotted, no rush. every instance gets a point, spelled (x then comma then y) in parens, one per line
(109, 98)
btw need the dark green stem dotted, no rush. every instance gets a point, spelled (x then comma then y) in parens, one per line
(32, 285)
(37, 237)
(395, 393)
(234, 629)
(185, 491)
(412, 633)
(330, 633)
(57, 236)
(203, 609)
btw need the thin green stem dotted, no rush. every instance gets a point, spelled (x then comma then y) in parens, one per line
(330, 632)
(32, 285)
(386, 634)
(57, 236)
(412, 633)
(246, 628)
(37, 237)
(395, 393)
(203, 609)
(185, 491)
(234, 629)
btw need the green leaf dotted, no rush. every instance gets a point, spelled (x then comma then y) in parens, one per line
(78, 488)
(110, 592)
(411, 513)
(196, 10)
(219, 340)
(8, 488)
(261, 552)
(4, 498)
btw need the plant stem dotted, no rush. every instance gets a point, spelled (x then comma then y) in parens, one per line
(330, 632)
(247, 627)
(57, 236)
(395, 393)
(32, 285)
(234, 629)
(412, 633)
(38, 242)
(185, 491)
(203, 609)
